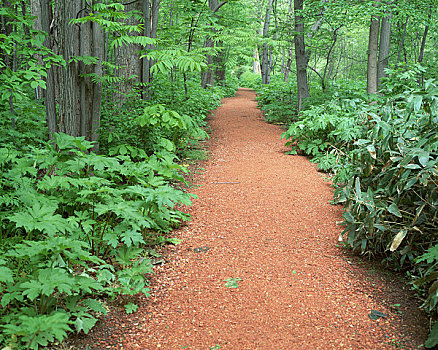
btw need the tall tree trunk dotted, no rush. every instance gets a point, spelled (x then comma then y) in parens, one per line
(209, 75)
(151, 10)
(79, 97)
(219, 63)
(301, 58)
(127, 60)
(288, 64)
(373, 42)
(402, 41)
(385, 40)
(46, 13)
(256, 62)
(265, 65)
(423, 39)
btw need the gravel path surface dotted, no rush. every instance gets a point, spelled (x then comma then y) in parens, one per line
(260, 266)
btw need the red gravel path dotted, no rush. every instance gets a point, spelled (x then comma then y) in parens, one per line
(265, 219)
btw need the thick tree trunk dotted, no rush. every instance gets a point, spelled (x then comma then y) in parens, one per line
(127, 60)
(79, 97)
(300, 55)
(372, 55)
(266, 64)
(385, 40)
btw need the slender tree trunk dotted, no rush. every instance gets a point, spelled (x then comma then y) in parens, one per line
(256, 62)
(423, 39)
(265, 65)
(402, 41)
(288, 64)
(300, 55)
(50, 95)
(208, 77)
(151, 10)
(373, 42)
(385, 40)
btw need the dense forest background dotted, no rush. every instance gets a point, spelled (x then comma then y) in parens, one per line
(103, 105)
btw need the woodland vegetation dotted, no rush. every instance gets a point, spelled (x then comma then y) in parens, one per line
(103, 104)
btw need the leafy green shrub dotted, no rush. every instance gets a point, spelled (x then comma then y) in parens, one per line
(327, 133)
(391, 200)
(278, 101)
(67, 215)
(250, 80)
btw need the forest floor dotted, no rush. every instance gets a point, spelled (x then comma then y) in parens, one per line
(260, 266)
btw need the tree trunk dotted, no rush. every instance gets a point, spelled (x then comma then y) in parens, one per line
(127, 60)
(300, 55)
(372, 55)
(256, 62)
(265, 65)
(402, 41)
(79, 97)
(151, 12)
(385, 40)
(423, 39)
(208, 77)
(50, 95)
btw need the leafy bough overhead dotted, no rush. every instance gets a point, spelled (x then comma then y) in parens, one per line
(67, 215)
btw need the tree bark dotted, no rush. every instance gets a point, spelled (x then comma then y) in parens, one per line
(50, 93)
(79, 97)
(151, 10)
(385, 40)
(127, 60)
(265, 64)
(301, 58)
(373, 41)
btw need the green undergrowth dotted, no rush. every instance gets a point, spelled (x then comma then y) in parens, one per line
(78, 229)
(383, 158)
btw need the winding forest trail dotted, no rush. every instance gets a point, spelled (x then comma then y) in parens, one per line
(263, 218)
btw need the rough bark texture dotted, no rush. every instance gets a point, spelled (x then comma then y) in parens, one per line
(372, 55)
(385, 40)
(79, 98)
(300, 55)
(265, 65)
(127, 59)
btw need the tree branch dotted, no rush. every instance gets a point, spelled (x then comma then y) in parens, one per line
(219, 6)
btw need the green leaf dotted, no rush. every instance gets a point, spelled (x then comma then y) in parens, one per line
(95, 305)
(393, 209)
(131, 308)
(6, 275)
(432, 340)
(85, 323)
(232, 282)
